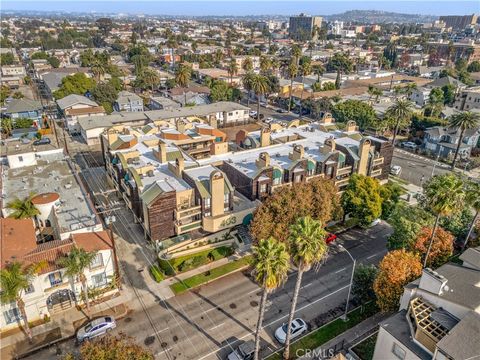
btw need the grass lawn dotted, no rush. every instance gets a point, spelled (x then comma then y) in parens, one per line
(194, 260)
(329, 331)
(365, 349)
(200, 279)
(396, 179)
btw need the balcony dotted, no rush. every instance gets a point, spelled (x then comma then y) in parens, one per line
(376, 172)
(181, 227)
(188, 212)
(346, 170)
(342, 182)
(378, 161)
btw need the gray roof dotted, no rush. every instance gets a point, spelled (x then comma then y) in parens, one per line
(471, 256)
(124, 97)
(53, 80)
(462, 341)
(397, 326)
(74, 99)
(446, 81)
(23, 105)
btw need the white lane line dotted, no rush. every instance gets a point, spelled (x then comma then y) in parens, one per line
(274, 321)
(305, 286)
(253, 291)
(211, 309)
(339, 271)
(216, 326)
(371, 256)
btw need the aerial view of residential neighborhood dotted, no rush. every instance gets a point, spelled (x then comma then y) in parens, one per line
(240, 180)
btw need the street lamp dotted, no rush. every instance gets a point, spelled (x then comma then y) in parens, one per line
(436, 161)
(344, 317)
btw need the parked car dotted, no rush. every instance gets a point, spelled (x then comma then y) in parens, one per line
(244, 351)
(42, 141)
(96, 328)
(282, 111)
(330, 237)
(395, 170)
(298, 328)
(253, 113)
(408, 145)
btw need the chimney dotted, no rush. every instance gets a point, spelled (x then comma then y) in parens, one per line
(351, 126)
(212, 121)
(264, 136)
(162, 152)
(181, 126)
(330, 143)
(217, 188)
(263, 160)
(178, 167)
(433, 282)
(363, 154)
(240, 137)
(327, 118)
(297, 153)
(112, 136)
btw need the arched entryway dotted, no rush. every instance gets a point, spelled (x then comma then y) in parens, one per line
(61, 300)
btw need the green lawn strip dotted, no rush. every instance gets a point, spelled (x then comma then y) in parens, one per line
(398, 180)
(342, 226)
(328, 331)
(365, 349)
(214, 273)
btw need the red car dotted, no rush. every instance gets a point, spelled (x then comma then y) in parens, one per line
(330, 237)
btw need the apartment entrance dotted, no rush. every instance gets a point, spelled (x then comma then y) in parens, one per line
(61, 300)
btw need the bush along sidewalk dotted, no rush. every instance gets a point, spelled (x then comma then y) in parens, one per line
(329, 331)
(210, 275)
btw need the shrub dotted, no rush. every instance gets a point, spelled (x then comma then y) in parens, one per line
(166, 267)
(156, 273)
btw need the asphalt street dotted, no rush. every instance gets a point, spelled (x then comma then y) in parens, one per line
(416, 168)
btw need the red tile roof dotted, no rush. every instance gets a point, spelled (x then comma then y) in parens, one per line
(17, 238)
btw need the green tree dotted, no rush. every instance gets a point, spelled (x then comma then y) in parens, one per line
(78, 84)
(260, 86)
(463, 121)
(7, 126)
(265, 64)
(342, 64)
(75, 263)
(232, 69)
(105, 94)
(363, 279)
(362, 199)
(247, 64)
(319, 70)
(183, 75)
(23, 123)
(435, 101)
(53, 61)
(270, 268)
(307, 248)
(23, 209)
(18, 95)
(401, 111)
(292, 72)
(148, 79)
(374, 92)
(474, 66)
(39, 55)
(15, 279)
(4, 93)
(305, 70)
(359, 111)
(449, 92)
(444, 195)
(247, 80)
(473, 200)
(113, 348)
(220, 91)
(7, 59)
(390, 194)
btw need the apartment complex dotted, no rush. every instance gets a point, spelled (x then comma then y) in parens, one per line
(302, 27)
(178, 180)
(468, 99)
(439, 315)
(458, 22)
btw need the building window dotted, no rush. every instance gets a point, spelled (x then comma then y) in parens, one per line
(55, 278)
(277, 181)
(398, 351)
(99, 280)
(298, 178)
(97, 262)
(20, 158)
(208, 213)
(207, 203)
(12, 315)
(230, 114)
(30, 289)
(330, 170)
(311, 172)
(263, 188)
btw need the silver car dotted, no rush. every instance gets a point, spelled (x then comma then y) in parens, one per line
(95, 328)
(298, 328)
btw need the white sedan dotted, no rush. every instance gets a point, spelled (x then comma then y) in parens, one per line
(298, 328)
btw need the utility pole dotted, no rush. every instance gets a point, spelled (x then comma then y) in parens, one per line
(351, 281)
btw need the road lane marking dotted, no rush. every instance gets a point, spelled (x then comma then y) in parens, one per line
(339, 271)
(253, 291)
(371, 256)
(216, 326)
(305, 286)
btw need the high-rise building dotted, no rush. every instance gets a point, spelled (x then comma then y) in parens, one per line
(459, 22)
(302, 26)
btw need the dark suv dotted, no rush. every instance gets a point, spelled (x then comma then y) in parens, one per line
(43, 141)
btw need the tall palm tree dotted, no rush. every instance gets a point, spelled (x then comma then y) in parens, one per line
(182, 78)
(307, 248)
(305, 69)
(265, 64)
(232, 69)
(14, 280)
(23, 209)
(473, 199)
(260, 86)
(296, 52)
(270, 266)
(98, 68)
(75, 264)
(247, 79)
(247, 64)
(318, 70)
(401, 111)
(374, 91)
(274, 64)
(444, 195)
(292, 72)
(463, 121)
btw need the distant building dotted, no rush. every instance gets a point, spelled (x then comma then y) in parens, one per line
(468, 99)
(444, 141)
(128, 101)
(74, 106)
(24, 108)
(459, 22)
(302, 26)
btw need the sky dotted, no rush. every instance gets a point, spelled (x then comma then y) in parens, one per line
(264, 7)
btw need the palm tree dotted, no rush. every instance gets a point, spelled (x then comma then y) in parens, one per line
(7, 126)
(15, 279)
(307, 248)
(473, 199)
(296, 52)
(463, 121)
(274, 64)
(260, 86)
(264, 64)
(182, 78)
(318, 70)
(75, 264)
(292, 72)
(342, 64)
(305, 69)
(23, 209)
(98, 68)
(444, 195)
(270, 266)
(247, 84)
(401, 111)
(232, 69)
(247, 64)
(374, 91)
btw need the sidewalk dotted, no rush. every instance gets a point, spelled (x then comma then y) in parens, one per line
(61, 326)
(350, 336)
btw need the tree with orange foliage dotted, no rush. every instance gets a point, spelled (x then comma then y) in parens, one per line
(396, 269)
(442, 246)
